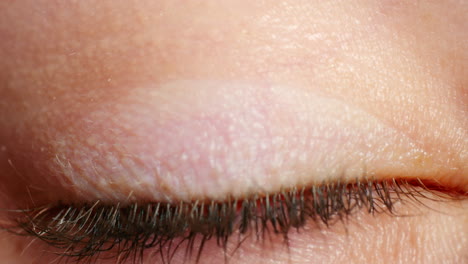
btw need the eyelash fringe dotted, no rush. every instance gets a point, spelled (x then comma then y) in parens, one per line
(83, 232)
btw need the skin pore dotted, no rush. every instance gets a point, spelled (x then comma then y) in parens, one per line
(185, 100)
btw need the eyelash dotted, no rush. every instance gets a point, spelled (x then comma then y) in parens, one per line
(85, 231)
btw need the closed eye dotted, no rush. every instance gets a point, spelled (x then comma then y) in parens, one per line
(233, 131)
(135, 232)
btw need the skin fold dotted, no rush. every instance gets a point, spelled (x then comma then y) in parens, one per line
(186, 100)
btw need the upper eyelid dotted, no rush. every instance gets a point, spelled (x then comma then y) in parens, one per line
(189, 152)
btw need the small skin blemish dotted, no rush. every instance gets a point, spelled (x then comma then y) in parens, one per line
(303, 157)
(91, 141)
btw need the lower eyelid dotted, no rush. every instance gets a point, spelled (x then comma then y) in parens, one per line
(373, 196)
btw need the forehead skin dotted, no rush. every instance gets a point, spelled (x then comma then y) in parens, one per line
(83, 84)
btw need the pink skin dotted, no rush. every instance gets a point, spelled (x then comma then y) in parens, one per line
(186, 100)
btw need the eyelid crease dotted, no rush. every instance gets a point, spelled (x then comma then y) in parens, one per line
(83, 231)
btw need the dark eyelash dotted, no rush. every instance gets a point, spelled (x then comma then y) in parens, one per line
(84, 231)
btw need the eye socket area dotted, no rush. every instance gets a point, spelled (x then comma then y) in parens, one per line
(98, 117)
(45, 181)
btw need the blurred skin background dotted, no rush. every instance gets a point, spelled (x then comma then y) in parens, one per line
(173, 100)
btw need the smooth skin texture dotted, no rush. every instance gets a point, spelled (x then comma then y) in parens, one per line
(184, 100)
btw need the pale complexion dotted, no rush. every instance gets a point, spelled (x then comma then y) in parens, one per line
(183, 100)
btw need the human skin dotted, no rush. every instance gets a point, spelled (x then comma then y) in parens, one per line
(186, 100)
